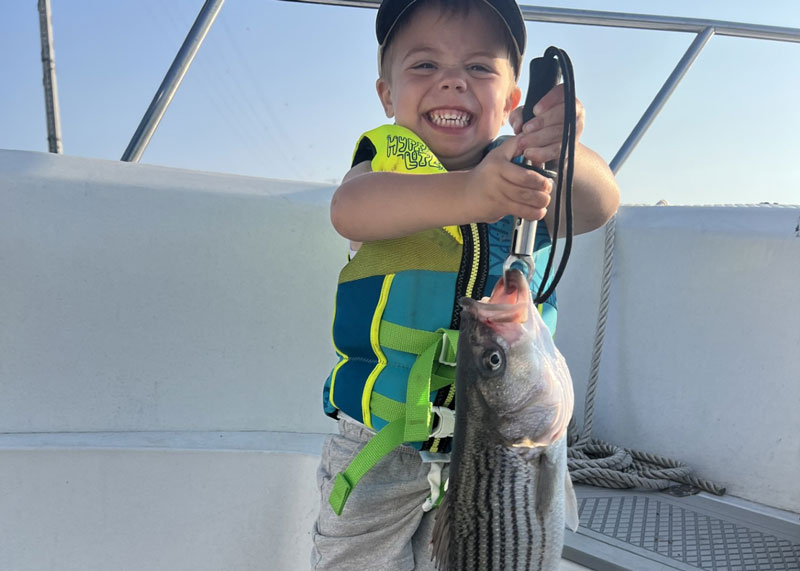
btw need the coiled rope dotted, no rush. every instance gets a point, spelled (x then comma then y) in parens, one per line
(599, 463)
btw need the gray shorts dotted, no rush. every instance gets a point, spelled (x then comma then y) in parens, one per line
(382, 526)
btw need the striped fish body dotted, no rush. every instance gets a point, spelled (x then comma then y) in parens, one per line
(509, 493)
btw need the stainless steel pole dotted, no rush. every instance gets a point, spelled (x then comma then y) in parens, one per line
(703, 28)
(661, 98)
(624, 20)
(49, 79)
(172, 80)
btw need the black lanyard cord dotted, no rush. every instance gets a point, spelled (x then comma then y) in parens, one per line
(563, 184)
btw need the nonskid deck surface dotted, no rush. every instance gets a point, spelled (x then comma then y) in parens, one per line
(641, 531)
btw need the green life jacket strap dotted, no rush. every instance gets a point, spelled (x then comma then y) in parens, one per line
(418, 392)
(411, 421)
(386, 440)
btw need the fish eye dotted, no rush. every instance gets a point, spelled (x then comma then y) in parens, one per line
(493, 360)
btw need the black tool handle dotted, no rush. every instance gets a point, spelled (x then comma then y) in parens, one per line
(545, 74)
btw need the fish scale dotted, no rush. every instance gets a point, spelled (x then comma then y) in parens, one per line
(497, 527)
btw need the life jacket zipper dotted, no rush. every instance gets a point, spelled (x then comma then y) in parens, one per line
(475, 283)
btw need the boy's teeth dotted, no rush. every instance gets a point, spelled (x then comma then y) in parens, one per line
(450, 118)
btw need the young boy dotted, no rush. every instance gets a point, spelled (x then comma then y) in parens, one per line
(429, 215)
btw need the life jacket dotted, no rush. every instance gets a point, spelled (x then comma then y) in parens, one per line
(396, 317)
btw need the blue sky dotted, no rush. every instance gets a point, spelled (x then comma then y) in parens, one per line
(283, 89)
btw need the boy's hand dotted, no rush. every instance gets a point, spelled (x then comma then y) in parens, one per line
(545, 130)
(596, 195)
(497, 187)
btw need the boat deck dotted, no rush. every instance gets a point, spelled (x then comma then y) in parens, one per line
(642, 531)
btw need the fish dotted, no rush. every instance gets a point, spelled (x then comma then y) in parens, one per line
(509, 495)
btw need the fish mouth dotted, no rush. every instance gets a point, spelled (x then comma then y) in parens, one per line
(450, 118)
(511, 289)
(508, 311)
(510, 302)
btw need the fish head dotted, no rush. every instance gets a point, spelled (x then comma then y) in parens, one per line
(513, 374)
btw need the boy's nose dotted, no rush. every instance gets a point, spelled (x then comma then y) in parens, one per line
(453, 80)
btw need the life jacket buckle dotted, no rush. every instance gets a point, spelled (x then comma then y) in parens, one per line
(445, 422)
(447, 356)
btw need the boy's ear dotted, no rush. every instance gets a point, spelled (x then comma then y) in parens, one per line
(512, 101)
(385, 95)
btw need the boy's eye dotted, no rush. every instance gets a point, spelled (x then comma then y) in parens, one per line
(423, 65)
(480, 68)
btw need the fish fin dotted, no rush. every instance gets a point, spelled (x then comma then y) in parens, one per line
(440, 538)
(546, 479)
(571, 517)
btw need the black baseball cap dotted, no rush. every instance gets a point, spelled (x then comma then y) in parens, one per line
(392, 11)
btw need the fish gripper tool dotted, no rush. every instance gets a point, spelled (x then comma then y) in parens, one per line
(544, 75)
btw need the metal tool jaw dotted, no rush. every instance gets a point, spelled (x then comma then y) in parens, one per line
(523, 238)
(521, 255)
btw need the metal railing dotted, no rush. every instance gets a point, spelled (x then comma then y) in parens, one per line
(52, 113)
(172, 80)
(702, 28)
(622, 20)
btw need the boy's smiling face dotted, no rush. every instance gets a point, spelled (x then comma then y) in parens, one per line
(448, 78)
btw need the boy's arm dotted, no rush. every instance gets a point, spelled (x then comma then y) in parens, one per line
(380, 205)
(595, 194)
